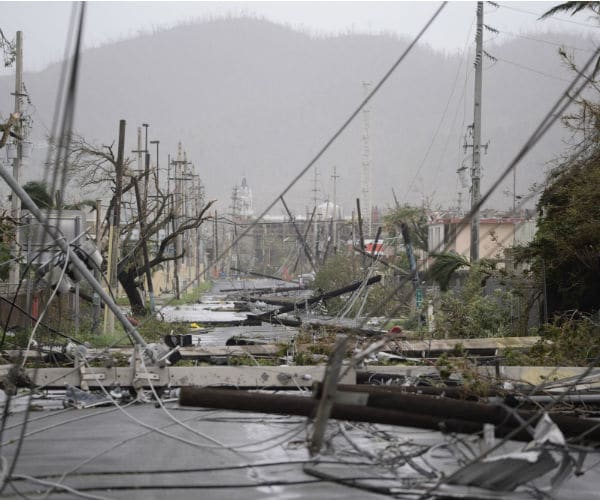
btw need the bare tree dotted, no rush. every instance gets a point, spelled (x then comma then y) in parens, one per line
(95, 167)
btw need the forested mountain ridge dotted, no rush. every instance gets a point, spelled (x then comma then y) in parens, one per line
(249, 97)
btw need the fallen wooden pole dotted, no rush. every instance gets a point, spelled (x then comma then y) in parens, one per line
(271, 302)
(264, 289)
(382, 397)
(303, 406)
(316, 324)
(261, 275)
(313, 300)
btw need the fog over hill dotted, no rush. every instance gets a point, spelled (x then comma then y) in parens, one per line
(249, 97)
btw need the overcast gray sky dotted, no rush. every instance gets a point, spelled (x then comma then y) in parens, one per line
(45, 24)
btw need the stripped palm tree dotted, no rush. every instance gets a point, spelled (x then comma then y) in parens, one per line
(444, 267)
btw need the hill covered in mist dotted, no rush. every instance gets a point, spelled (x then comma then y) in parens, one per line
(249, 97)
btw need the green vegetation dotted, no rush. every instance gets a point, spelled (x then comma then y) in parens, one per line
(564, 253)
(249, 360)
(444, 266)
(4, 257)
(468, 313)
(569, 340)
(38, 192)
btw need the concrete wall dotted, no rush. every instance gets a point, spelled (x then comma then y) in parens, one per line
(495, 235)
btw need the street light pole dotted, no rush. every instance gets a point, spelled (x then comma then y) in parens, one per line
(157, 142)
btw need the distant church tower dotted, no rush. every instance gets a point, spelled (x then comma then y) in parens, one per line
(245, 197)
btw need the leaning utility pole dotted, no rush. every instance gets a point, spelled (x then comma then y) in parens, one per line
(15, 274)
(114, 233)
(476, 170)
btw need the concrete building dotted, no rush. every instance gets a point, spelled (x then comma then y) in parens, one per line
(495, 235)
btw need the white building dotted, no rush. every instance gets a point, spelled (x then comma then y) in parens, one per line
(245, 197)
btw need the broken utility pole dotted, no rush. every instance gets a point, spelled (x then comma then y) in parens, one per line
(268, 316)
(301, 239)
(332, 375)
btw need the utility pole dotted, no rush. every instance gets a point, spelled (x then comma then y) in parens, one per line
(157, 178)
(146, 164)
(360, 228)
(169, 208)
(197, 204)
(96, 297)
(315, 190)
(235, 212)
(15, 272)
(335, 177)
(114, 233)
(178, 210)
(476, 170)
(142, 219)
(76, 312)
(216, 245)
(143, 162)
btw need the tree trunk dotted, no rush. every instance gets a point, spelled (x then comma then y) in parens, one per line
(127, 281)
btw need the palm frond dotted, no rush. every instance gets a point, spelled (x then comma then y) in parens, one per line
(444, 266)
(572, 7)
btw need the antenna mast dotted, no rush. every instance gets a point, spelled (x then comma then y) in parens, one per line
(365, 173)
